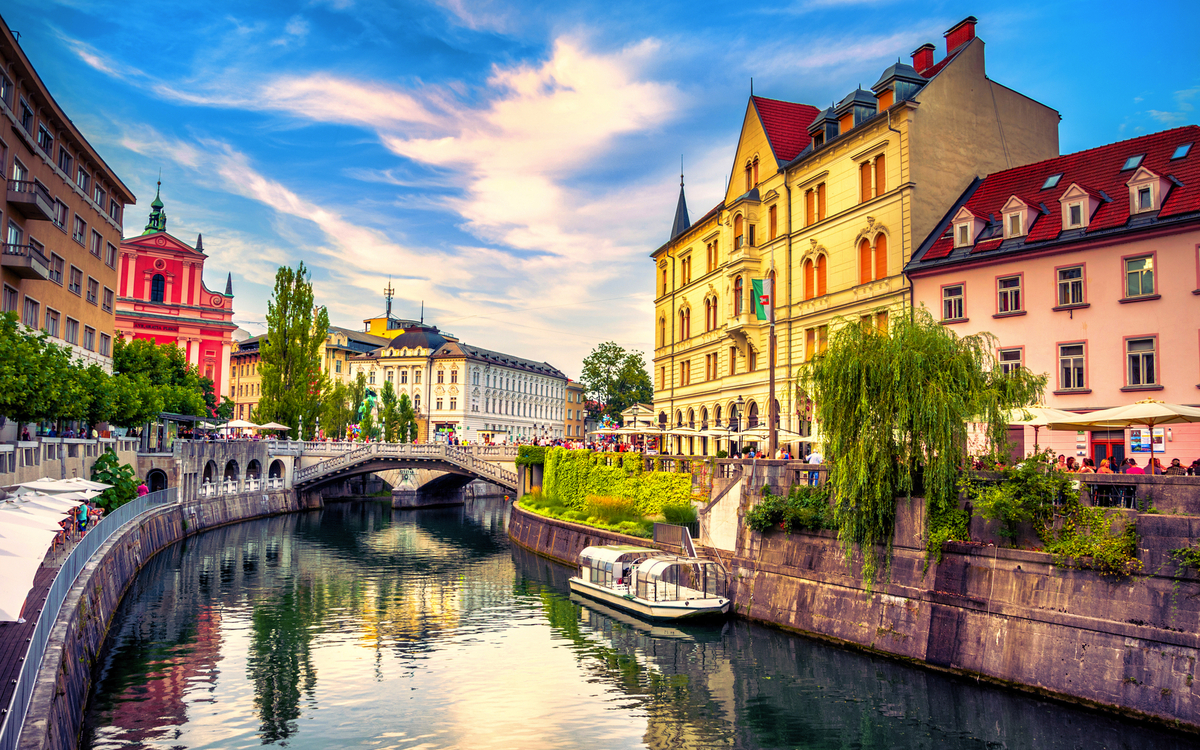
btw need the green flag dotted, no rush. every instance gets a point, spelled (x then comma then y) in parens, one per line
(762, 298)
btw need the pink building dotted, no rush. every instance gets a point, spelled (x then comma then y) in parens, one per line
(1087, 268)
(163, 297)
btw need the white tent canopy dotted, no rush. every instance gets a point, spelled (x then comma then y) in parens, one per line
(240, 424)
(15, 585)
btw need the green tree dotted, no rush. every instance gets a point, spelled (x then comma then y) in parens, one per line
(335, 409)
(616, 379)
(358, 394)
(367, 427)
(29, 391)
(292, 378)
(135, 401)
(387, 397)
(894, 408)
(109, 470)
(406, 419)
(180, 388)
(101, 390)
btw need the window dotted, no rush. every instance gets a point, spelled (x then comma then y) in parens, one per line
(15, 234)
(685, 270)
(337, 365)
(1070, 286)
(1133, 162)
(880, 175)
(89, 338)
(685, 374)
(1071, 367)
(51, 326)
(1014, 225)
(454, 376)
(97, 243)
(45, 141)
(952, 302)
(821, 202)
(1075, 215)
(10, 299)
(1139, 276)
(438, 404)
(416, 377)
(32, 308)
(19, 172)
(1139, 354)
(76, 281)
(810, 209)
(157, 288)
(1009, 294)
(453, 404)
(1010, 360)
(751, 361)
(99, 196)
(371, 376)
(962, 235)
(772, 222)
(56, 268)
(93, 291)
(664, 279)
(26, 117)
(65, 161)
(441, 376)
(1145, 198)
(1181, 151)
(1052, 181)
(864, 180)
(739, 232)
(114, 210)
(733, 360)
(82, 179)
(71, 332)
(815, 340)
(110, 255)
(60, 215)
(822, 262)
(809, 280)
(739, 294)
(6, 90)
(105, 344)
(80, 232)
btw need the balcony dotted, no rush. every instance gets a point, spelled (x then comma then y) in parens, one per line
(31, 199)
(26, 261)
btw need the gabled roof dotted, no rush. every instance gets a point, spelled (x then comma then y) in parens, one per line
(479, 354)
(1100, 170)
(786, 125)
(936, 68)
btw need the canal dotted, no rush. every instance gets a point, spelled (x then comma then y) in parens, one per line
(360, 626)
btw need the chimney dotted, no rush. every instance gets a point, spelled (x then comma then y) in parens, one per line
(922, 57)
(960, 33)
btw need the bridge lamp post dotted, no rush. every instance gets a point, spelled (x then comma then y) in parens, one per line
(733, 422)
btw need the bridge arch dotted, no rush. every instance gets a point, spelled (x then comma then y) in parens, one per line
(156, 480)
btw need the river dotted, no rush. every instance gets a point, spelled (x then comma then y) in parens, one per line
(360, 626)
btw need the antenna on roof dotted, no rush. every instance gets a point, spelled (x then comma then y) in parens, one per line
(422, 312)
(751, 85)
(387, 295)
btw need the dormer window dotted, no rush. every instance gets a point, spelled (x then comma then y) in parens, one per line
(1181, 151)
(1014, 225)
(1145, 198)
(1018, 216)
(962, 235)
(1075, 215)
(1078, 205)
(1052, 181)
(1133, 162)
(1146, 191)
(966, 227)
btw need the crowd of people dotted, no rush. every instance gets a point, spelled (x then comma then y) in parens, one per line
(1130, 465)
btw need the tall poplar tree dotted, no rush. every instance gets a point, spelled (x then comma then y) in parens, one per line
(291, 354)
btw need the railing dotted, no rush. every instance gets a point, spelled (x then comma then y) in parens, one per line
(30, 186)
(678, 535)
(208, 490)
(457, 456)
(252, 484)
(275, 483)
(14, 717)
(27, 250)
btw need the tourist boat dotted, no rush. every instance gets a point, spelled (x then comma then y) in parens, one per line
(652, 584)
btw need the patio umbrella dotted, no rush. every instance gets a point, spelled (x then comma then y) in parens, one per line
(1149, 413)
(274, 426)
(1037, 417)
(11, 520)
(241, 424)
(15, 585)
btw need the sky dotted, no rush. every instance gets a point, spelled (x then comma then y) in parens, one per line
(511, 165)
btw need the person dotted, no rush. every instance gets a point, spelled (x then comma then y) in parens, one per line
(1089, 467)
(1194, 469)
(1175, 469)
(1104, 467)
(1071, 467)
(25, 434)
(143, 490)
(815, 457)
(81, 515)
(1132, 467)
(1062, 462)
(1157, 466)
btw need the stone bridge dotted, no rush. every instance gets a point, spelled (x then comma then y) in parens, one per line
(437, 467)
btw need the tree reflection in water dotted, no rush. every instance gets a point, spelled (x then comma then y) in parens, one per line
(280, 662)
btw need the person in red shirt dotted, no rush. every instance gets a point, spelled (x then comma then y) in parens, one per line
(1133, 467)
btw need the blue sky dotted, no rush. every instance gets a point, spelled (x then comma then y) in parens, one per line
(512, 164)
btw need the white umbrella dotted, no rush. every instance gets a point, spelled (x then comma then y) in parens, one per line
(1037, 417)
(15, 585)
(11, 519)
(87, 484)
(1149, 412)
(29, 543)
(48, 504)
(240, 424)
(274, 426)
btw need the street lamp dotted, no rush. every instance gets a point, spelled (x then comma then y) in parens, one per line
(733, 421)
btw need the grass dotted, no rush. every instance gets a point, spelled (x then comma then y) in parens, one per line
(617, 514)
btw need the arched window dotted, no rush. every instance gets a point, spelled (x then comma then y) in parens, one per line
(157, 287)
(749, 176)
(662, 331)
(739, 296)
(881, 256)
(752, 416)
(687, 323)
(739, 237)
(755, 166)
(714, 313)
(703, 417)
(707, 314)
(822, 262)
(679, 418)
(691, 418)
(682, 335)
(717, 415)
(809, 286)
(864, 261)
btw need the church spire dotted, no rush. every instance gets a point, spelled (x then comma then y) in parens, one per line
(229, 285)
(158, 217)
(682, 222)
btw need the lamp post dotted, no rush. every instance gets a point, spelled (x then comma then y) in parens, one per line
(733, 420)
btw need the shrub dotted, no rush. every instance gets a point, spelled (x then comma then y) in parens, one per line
(574, 515)
(679, 513)
(643, 529)
(1026, 493)
(612, 510)
(1085, 539)
(531, 455)
(109, 470)
(802, 508)
(722, 453)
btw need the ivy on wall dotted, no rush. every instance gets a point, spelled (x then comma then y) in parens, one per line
(572, 475)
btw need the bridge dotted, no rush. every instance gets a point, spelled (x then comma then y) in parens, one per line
(464, 463)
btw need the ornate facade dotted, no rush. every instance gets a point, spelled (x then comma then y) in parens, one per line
(828, 204)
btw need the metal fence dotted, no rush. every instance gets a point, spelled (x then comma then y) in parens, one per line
(14, 717)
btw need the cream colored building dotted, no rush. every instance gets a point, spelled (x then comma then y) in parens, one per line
(830, 204)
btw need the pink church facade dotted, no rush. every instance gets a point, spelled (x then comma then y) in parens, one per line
(1085, 268)
(163, 297)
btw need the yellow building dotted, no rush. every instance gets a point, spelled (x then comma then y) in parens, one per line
(829, 204)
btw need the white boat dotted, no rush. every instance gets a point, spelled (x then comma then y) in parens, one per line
(652, 584)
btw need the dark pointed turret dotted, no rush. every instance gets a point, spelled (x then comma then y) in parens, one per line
(158, 217)
(229, 285)
(682, 222)
(200, 243)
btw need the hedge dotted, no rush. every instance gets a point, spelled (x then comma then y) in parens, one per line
(572, 475)
(531, 455)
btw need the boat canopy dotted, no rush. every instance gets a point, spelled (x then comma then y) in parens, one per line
(611, 564)
(680, 578)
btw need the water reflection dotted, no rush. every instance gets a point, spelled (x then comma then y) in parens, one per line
(363, 625)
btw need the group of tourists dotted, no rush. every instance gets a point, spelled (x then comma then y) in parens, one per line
(1128, 466)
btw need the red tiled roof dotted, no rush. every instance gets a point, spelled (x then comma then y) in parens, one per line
(786, 124)
(1097, 169)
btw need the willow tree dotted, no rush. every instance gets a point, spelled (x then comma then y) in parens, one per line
(292, 379)
(893, 409)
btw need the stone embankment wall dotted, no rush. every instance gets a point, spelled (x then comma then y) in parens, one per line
(57, 705)
(1010, 616)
